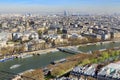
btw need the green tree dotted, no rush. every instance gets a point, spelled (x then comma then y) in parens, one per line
(86, 61)
(40, 32)
(105, 55)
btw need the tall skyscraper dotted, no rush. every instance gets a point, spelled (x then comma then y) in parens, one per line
(65, 13)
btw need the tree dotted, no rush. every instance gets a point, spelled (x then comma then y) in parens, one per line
(85, 61)
(36, 74)
(59, 31)
(105, 55)
(22, 48)
(40, 32)
(4, 51)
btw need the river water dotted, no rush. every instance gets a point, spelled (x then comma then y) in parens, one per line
(32, 62)
(94, 47)
(45, 59)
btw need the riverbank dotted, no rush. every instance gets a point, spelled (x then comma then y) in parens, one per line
(84, 59)
(46, 51)
(98, 43)
(72, 61)
(40, 52)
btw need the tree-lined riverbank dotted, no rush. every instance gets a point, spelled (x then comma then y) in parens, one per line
(42, 61)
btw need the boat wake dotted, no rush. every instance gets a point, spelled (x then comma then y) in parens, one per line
(15, 66)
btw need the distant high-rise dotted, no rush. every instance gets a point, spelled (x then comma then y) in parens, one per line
(28, 15)
(65, 13)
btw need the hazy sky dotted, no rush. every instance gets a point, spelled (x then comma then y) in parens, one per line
(92, 6)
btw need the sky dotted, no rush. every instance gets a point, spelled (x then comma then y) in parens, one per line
(88, 6)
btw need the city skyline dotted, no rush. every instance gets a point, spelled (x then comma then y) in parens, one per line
(86, 6)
